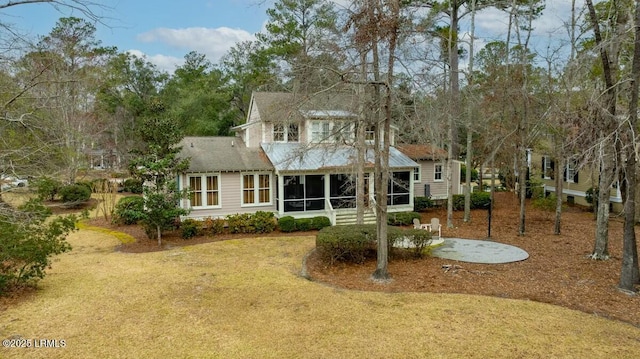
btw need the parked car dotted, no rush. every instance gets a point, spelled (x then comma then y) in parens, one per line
(12, 182)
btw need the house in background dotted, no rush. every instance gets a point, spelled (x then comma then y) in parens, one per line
(576, 181)
(297, 156)
(429, 178)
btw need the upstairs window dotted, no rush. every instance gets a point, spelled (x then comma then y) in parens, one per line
(547, 167)
(370, 133)
(285, 132)
(320, 131)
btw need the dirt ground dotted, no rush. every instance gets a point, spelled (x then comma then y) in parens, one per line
(557, 270)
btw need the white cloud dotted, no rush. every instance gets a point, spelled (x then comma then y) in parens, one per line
(213, 42)
(164, 63)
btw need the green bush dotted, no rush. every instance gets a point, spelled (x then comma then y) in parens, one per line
(402, 218)
(479, 200)
(29, 239)
(352, 243)
(463, 174)
(287, 224)
(190, 228)
(546, 204)
(88, 184)
(74, 195)
(128, 210)
(422, 203)
(420, 239)
(263, 222)
(132, 185)
(240, 223)
(214, 226)
(304, 224)
(47, 188)
(320, 222)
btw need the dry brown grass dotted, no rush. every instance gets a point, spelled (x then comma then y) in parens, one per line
(245, 299)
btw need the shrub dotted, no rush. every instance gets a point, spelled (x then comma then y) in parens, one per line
(422, 203)
(74, 195)
(132, 185)
(402, 218)
(29, 239)
(479, 200)
(352, 243)
(47, 188)
(287, 224)
(214, 226)
(304, 224)
(546, 204)
(129, 210)
(190, 228)
(463, 174)
(240, 223)
(88, 184)
(263, 222)
(420, 239)
(320, 222)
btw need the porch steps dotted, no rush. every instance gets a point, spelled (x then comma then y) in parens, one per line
(351, 218)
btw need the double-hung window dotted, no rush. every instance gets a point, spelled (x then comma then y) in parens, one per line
(256, 189)
(204, 190)
(437, 172)
(417, 176)
(320, 131)
(285, 132)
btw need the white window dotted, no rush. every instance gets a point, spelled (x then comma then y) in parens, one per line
(285, 133)
(417, 175)
(437, 172)
(571, 171)
(547, 167)
(369, 133)
(204, 190)
(320, 131)
(343, 132)
(256, 189)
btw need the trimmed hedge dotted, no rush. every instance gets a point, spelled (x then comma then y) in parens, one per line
(420, 239)
(352, 243)
(290, 224)
(287, 224)
(190, 228)
(263, 222)
(479, 200)
(422, 203)
(402, 218)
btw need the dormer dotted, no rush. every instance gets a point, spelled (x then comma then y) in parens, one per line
(276, 117)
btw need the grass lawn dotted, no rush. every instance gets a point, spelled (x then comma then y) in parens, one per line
(245, 299)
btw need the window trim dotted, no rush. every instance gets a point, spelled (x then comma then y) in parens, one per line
(417, 174)
(204, 190)
(256, 189)
(323, 133)
(436, 171)
(570, 171)
(284, 129)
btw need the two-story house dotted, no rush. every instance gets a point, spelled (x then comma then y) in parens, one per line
(295, 156)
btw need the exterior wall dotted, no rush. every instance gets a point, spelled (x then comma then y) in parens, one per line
(253, 132)
(587, 178)
(438, 188)
(230, 198)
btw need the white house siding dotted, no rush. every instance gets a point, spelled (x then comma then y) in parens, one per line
(438, 189)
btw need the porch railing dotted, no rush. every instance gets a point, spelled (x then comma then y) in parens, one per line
(331, 212)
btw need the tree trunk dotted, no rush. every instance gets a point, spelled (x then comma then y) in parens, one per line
(630, 272)
(361, 144)
(159, 231)
(522, 186)
(601, 246)
(558, 179)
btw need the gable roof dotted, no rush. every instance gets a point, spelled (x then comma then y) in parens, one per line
(298, 157)
(422, 152)
(280, 106)
(225, 154)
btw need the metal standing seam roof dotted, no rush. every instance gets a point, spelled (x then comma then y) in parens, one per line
(298, 157)
(228, 154)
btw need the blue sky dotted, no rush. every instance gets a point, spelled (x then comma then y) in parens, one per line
(165, 30)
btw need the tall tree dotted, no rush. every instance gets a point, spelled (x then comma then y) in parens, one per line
(630, 272)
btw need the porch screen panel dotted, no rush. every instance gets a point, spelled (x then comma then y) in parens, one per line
(248, 189)
(195, 188)
(342, 189)
(314, 192)
(212, 191)
(399, 188)
(293, 193)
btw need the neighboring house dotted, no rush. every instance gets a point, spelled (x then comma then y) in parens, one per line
(429, 178)
(576, 181)
(295, 156)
